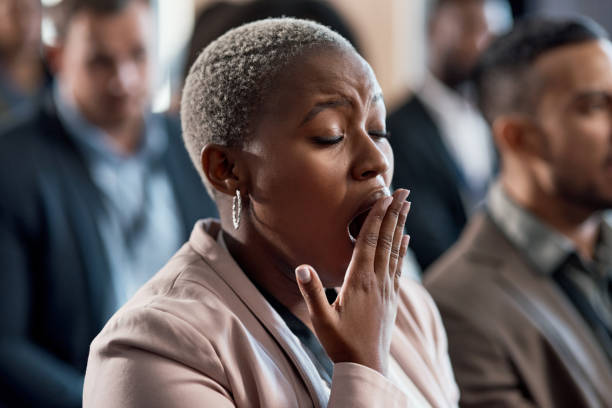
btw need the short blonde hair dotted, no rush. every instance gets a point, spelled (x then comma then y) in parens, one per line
(231, 78)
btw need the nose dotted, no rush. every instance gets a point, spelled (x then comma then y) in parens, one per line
(370, 160)
(124, 79)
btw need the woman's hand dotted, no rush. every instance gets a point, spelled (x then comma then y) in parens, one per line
(358, 326)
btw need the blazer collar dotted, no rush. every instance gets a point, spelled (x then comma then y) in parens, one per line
(544, 304)
(205, 240)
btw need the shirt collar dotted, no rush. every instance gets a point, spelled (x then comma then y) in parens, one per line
(96, 142)
(440, 98)
(545, 248)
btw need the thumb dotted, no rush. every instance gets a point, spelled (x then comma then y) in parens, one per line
(313, 292)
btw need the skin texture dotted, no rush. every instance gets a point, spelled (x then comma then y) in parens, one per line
(458, 33)
(316, 160)
(103, 65)
(557, 161)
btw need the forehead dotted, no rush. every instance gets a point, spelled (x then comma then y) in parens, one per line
(579, 67)
(112, 31)
(319, 73)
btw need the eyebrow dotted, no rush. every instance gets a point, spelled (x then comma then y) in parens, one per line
(591, 93)
(334, 103)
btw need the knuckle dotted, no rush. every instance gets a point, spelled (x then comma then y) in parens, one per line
(399, 228)
(395, 211)
(402, 219)
(385, 241)
(379, 217)
(395, 254)
(371, 239)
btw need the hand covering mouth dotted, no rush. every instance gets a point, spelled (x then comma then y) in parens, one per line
(354, 227)
(356, 223)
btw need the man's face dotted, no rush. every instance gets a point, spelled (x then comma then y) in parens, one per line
(104, 64)
(574, 114)
(459, 33)
(19, 25)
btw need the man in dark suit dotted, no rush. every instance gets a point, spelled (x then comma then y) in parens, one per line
(97, 193)
(526, 293)
(442, 146)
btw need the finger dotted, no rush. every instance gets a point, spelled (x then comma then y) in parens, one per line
(400, 264)
(365, 247)
(387, 230)
(313, 293)
(396, 255)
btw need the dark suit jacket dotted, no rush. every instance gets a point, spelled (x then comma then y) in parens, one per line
(515, 339)
(424, 165)
(53, 268)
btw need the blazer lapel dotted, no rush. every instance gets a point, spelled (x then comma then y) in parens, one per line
(551, 312)
(229, 271)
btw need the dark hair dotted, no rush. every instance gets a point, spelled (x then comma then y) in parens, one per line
(64, 11)
(502, 72)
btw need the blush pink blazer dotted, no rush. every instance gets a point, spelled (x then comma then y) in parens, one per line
(199, 334)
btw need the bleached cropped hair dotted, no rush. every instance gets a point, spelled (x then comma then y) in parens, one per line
(231, 78)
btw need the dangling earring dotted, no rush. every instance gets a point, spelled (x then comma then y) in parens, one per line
(236, 209)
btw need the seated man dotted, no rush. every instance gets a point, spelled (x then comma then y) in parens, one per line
(97, 194)
(525, 294)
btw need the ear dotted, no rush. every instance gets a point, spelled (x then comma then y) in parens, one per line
(518, 134)
(222, 168)
(54, 54)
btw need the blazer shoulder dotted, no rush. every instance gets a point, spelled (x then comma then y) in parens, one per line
(469, 271)
(174, 316)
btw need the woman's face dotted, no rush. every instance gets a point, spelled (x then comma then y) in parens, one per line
(319, 158)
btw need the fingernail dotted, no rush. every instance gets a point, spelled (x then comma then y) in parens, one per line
(303, 274)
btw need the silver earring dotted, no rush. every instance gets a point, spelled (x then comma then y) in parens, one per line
(236, 209)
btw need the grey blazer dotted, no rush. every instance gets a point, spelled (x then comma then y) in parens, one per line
(515, 339)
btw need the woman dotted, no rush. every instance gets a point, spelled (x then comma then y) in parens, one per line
(286, 124)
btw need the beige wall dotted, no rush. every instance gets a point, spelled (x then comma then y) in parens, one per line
(391, 35)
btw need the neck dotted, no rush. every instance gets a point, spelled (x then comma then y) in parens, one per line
(266, 267)
(126, 137)
(575, 221)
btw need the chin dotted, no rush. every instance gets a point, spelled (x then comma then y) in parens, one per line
(333, 276)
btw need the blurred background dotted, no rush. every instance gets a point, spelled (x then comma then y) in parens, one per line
(390, 34)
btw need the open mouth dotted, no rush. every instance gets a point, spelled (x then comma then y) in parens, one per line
(354, 227)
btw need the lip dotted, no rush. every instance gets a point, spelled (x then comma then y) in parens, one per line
(366, 205)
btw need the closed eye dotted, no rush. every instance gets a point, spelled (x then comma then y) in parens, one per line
(380, 135)
(328, 140)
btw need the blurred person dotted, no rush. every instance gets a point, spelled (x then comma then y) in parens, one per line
(526, 293)
(22, 72)
(600, 11)
(441, 142)
(97, 194)
(286, 124)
